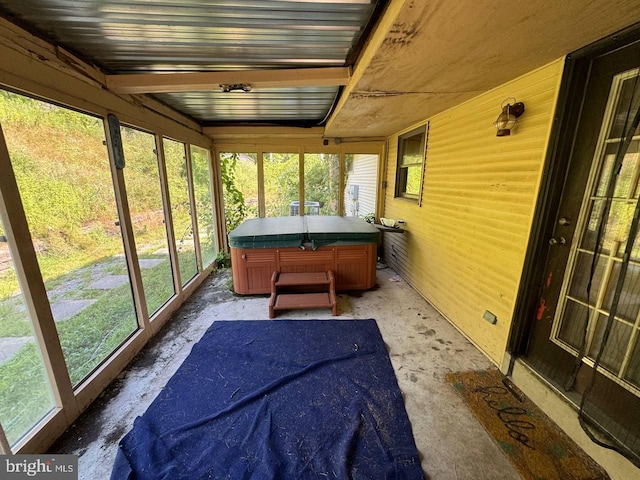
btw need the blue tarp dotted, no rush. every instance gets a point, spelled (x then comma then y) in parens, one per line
(283, 399)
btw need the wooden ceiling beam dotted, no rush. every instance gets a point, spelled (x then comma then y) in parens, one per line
(136, 83)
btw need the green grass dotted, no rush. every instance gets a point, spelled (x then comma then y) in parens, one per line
(87, 338)
(65, 185)
(14, 320)
(158, 285)
(93, 334)
(23, 403)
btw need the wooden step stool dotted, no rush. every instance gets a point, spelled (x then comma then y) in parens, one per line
(290, 282)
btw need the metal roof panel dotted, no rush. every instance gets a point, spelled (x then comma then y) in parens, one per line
(155, 36)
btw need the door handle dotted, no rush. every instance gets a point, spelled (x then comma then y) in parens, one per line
(557, 241)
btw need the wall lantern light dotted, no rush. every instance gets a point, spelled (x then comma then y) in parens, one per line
(508, 117)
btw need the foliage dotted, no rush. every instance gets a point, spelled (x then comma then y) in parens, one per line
(281, 182)
(15, 319)
(23, 402)
(223, 260)
(86, 338)
(63, 174)
(322, 181)
(204, 206)
(235, 210)
(158, 284)
(246, 180)
(62, 170)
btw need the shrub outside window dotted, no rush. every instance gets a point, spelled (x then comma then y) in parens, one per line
(411, 150)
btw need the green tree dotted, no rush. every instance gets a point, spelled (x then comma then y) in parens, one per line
(281, 182)
(235, 210)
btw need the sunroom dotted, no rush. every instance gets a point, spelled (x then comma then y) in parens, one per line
(136, 135)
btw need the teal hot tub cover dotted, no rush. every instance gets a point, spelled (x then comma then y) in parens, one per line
(295, 231)
(325, 230)
(270, 232)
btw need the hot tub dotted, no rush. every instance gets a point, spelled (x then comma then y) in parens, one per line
(261, 246)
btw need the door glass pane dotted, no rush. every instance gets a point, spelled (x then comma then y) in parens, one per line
(629, 301)
(321, 183)
(627, 88)
(62, 169)
(281, 184)
(176, 163)
(25, 393)
(617, 228)
(625, 180)
(142, 180)
(360, 184)
(204, 206)
(581, 275)
(616, 347)
(573, 322)
(239, 187)
(633, 373)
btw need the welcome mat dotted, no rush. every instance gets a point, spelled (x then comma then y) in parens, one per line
(537, 447)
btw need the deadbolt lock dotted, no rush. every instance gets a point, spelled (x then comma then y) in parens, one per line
(557, 241)
(564, 221)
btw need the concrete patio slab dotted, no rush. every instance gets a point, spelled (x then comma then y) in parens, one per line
(423, 347)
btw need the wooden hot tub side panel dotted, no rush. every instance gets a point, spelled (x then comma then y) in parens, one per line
(354, 266)
(306, 261)
(252, 269)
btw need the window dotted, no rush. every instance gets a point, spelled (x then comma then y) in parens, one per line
(240, 187)
(202, 190)
(281, 184)
(321, 183)
(25, 391)
(411, 150)
(144, 195)
(176, 165)
(63, 174)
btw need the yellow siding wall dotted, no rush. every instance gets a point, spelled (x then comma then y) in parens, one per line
(465, 246)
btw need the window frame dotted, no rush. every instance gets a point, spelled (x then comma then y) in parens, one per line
(402, 169)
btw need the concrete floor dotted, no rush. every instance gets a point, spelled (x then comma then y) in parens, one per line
(423, 347)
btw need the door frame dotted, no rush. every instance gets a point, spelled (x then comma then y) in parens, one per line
(559, 152)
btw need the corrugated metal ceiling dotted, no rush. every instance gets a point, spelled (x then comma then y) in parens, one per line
(159, 36)
(287, 105)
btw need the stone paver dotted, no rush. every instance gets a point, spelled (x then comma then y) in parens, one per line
(10, 345)
(65, 309)
(108, 282)
(150, 262)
